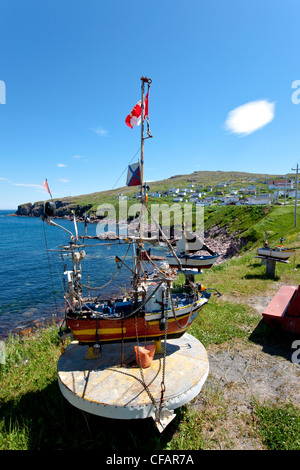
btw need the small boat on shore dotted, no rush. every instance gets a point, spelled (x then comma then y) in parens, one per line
(189, 254)
(151, 309)
(154, 309)
(278, 252)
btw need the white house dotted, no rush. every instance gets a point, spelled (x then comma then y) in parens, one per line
(265, 200)
(177, 199)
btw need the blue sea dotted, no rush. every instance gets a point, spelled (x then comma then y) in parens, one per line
(26, 294)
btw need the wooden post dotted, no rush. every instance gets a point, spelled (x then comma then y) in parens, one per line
(270, 268)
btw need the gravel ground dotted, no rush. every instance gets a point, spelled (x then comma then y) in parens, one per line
(240, 372)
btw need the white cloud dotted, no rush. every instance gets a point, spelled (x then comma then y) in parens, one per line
(6, 179)
(63, 180)
(61, 165)
(101, 132)
(250, 117)
(29, 185)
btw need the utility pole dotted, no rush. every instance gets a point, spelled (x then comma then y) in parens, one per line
(285, 189)
(296, 195)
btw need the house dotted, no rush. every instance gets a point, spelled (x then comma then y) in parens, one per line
(249, 191)
(230, 199)
(174, 190)
(203, 203)
(177, 199)
(262, 200)
(154, 194)
(281, 184)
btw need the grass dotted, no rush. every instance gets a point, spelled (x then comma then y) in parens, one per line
(278, 426)
(222, 322)
(34, 414)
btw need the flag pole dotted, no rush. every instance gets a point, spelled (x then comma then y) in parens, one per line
(148, 81)
(143, 79)
(143, 190)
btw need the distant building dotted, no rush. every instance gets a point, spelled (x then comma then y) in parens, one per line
(249, 191)
(259, 201)
(281, 184)
(177, 199)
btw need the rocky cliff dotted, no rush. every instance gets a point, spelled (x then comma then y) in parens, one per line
(63, 209)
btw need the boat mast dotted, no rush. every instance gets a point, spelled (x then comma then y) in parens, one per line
(148, 81)
(143, 186)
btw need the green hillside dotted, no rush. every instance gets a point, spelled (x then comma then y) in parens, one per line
(200, 179)
(251, 221)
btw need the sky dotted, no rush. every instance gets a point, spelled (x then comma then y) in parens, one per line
(224, 93)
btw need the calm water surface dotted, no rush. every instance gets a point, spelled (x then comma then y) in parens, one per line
(26, 292)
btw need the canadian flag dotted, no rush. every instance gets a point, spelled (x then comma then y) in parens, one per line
(135, 117)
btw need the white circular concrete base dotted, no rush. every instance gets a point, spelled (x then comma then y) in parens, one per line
(103, 387)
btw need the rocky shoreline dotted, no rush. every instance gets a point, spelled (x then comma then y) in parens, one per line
(217, 239)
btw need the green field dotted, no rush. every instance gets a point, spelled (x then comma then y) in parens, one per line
(34, 415)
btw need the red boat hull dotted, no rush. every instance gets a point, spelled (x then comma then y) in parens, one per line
(88, 331)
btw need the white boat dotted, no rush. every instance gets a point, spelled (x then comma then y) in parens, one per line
(278, 252)
(188, 254)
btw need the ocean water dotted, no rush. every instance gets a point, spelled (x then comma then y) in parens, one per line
(26, 293)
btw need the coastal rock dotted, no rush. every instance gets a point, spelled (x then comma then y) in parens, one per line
(63, 209)
(24, 209)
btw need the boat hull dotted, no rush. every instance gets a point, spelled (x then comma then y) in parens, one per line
(148, 326)
(282, 254)
(193, 262)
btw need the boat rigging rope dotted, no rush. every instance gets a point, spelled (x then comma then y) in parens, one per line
(126, 168)
(131, 314)
(173, 309)
(115, 275)
(101, 287)
(165, 238)
(50, 268)
(141, 368)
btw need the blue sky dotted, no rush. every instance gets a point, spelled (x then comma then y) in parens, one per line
(72, 73)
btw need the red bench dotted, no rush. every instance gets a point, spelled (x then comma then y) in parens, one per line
(284, 309)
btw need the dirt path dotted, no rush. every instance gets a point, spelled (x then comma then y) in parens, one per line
(242, 371)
